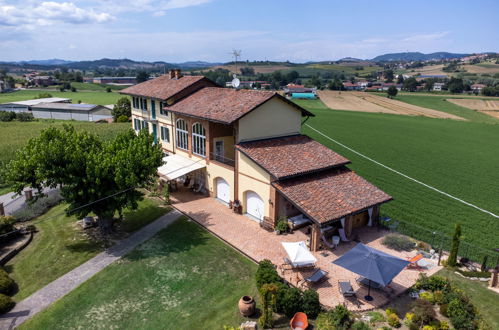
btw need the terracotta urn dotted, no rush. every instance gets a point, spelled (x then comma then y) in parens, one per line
(247, 306)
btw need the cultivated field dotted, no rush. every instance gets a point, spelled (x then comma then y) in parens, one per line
(366, 102)
(458, 157)
(428, 70)
(481, 68)
(257, 68)
(488, 107)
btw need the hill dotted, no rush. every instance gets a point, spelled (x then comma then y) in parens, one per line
(416, 56)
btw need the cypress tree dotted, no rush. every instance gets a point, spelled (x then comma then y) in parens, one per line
(452, 261)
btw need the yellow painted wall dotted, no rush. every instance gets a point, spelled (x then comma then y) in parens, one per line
(274, 118)
(248, 172)
(215, 171)
(164, 143)
(228, 146)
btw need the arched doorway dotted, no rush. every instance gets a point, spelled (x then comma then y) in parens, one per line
(223, 190)
(254, 205)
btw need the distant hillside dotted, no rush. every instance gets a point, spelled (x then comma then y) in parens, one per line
(54, 61)
(416, 56)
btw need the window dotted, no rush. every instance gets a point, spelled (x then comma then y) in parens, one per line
(144, 104)
(134, 101)
(135, 125)
(182, 135)
(144, 125)
(161, 110)
(165, 134)
(198, 139)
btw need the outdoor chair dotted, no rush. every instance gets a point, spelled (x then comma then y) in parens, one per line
(346, 289)
(328, 244)
(318, 276)
(413, 262)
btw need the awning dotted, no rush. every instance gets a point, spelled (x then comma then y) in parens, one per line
(177, 165)
(298, 253)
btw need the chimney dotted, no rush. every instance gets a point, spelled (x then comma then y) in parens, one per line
(178, 73)
(172, 73)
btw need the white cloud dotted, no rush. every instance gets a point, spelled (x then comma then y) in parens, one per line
(156, 7)
(426, 37)
(30, 14)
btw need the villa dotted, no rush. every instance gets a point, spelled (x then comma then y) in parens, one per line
(245, 148)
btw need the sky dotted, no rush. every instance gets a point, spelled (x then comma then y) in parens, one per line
(208, 30)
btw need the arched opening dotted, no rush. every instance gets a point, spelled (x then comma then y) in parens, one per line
(182, 134)
(198, 139)
(222, 190)
(254, 205)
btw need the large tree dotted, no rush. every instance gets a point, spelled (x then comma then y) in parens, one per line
(95, 176)
(141, 76)
(410, 84)
(392, 91)
(123, 107)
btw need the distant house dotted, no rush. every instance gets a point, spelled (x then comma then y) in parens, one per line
(115, 80)
(3, 86)
(25, 106)
(69, 111)
(351, 87)
(40, 81)
(437, 87)
(477, 87)
(289, 89)
(385, 86)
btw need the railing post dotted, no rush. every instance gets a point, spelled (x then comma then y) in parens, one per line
(2, 210)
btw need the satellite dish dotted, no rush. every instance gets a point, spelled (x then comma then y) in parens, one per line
(235, 83)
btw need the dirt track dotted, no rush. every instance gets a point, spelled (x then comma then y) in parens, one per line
(367, 102)
(488, 107)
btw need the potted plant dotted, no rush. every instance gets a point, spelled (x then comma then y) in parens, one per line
(281, 227)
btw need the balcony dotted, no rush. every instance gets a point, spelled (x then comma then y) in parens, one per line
(221, 159)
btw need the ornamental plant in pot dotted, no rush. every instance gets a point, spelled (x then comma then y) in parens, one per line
(281, 227)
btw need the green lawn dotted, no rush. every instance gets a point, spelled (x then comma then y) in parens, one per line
(92, 97)
(15, 134)
(183, 278)
(60, 246)
(457, 157)
(485, 300)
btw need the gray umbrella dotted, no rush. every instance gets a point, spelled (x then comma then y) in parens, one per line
(374, 265)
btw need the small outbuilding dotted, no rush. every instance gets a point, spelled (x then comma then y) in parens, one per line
(69, 111)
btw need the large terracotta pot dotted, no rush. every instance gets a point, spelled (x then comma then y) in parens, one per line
(246, 306)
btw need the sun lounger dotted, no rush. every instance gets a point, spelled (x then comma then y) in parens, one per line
(317, 277)
(346, 289)
(297, 266)
(413, 262)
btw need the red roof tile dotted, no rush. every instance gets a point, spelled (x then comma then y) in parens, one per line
(162, 87)
(332, 194)
(291, 156)
(224, 105)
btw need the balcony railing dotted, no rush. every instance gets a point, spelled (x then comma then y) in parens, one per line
(222, 159)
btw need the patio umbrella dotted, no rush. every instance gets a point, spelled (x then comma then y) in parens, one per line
(298, 253)
(372, 264)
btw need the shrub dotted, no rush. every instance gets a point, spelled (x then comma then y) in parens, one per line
(462, 314)
(443, 326)
(376, 317)
(6, 283)
(429, 327)
(6, 303)
(25, 116)
(282, 226)
(266, 274)
(432, 283)
(484, 267)
(423, 312)
(7, 116)
(292, 302)
(424, 246)
(474, 274)
(268, 295)
(73, 89)
(390, 311)
(108, 89)
(398, 242)
(359, 325)
(122, 119)
(37, 207)
(438, 297)
(338, 318)
(393, 320)
(6, 224)
(43, 95)
(443, 310)
(310, 303)
(428, 296)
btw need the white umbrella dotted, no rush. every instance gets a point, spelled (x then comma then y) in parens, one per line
(298, 253)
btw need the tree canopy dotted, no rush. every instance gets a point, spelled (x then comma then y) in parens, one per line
(94, 176)
(392, 91)
(410, 84)
(123, 107)
(141, 76)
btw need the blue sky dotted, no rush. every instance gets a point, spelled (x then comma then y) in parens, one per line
(185, 30)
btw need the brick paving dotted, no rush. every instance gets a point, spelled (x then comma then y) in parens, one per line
(246, 235)
(44, 297)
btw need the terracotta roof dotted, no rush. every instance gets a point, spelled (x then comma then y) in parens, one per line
(225, 105)
(332, 194)
(162, 87)
(292, 155)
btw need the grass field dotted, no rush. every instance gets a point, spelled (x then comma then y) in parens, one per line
(14, 135)
(457, 157)
(91, 97)
(95, 87)
(438, 102)
(485, 300)
(60, 246)
(183, 278)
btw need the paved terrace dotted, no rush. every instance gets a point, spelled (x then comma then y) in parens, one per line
(257, 243)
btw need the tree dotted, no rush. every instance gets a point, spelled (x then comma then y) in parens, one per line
(123, 107)
(410, 84)
(455, 85)
(400, 79)
(392, 91)
(94, 176)
(141, 76)
(456, 238)
(388, 75)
